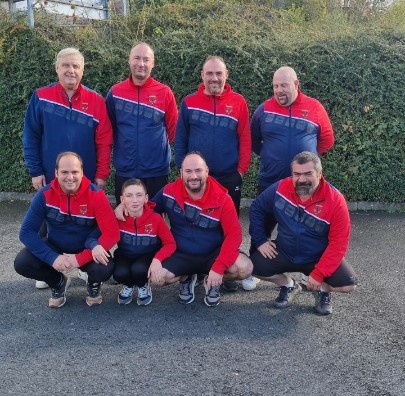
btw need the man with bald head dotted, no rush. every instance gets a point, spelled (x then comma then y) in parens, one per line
(206, 229)
(285, 125)
(143, 114)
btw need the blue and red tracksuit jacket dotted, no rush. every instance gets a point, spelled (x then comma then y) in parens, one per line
(317, 230)
(70, 219)
(144, 123)
(199, 227)
(141, 235)
(54, 123)
(218, 127)
(281, 132)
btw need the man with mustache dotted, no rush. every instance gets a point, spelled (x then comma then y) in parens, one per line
(313, 235)
(285, 125)
(206, 228)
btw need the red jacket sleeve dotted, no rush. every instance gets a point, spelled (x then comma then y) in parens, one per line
(326, 138)
(168, 242)
(171, 115)
(107, 223)
(339, 235)
(103, 141)
(232, 238)
(245, 140)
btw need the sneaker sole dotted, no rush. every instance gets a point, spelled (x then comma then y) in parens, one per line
(144, 302)
(52, 303)
(126, 302)
(94, 301)
(210, 304)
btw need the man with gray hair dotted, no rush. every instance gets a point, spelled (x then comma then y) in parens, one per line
(313, 235)
(67, 116)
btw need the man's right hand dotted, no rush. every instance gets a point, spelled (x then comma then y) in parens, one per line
(61, 264)
(38, 182)
(268, 249)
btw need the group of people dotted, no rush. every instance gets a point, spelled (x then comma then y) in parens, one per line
(70, 226)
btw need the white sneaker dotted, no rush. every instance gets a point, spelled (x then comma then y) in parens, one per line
(41, 285)
(250, 283)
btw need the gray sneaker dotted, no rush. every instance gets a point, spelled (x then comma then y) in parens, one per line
(144, 294)
(125, 295)
(322, 303)
(58, 297)
(186, 293)
(212, 296)
(286, 295)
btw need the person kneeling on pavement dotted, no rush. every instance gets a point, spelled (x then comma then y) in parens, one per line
(72, 208)
(313, 235)
(207, 232)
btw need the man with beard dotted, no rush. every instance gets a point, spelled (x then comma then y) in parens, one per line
(313, 235)
(143, 114)
(206, 229)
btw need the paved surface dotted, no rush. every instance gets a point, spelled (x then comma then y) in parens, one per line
(242, 347)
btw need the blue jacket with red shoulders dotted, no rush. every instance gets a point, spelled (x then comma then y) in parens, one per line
(54, 123)
(218, 127)
(144, 122)
(70, 219)
(281, 132)
(199, 227)
(315, 230)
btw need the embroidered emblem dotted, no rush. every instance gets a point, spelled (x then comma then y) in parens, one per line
(152, 99)
(318, 209)
(148, 228)
(210, 211)
(85, 106)
(228, 109)
(305, 113)
(83, 209)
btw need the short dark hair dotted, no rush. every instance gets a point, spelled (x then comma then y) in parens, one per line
(194, 152)
(133, 182)
(65, 154)
(306, 156)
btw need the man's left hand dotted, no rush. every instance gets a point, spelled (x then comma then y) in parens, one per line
(312, 284)
(100, 255)
(99, 183)
(214, 279)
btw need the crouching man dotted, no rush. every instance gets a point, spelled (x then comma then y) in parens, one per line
(313, 235)
(72, 208)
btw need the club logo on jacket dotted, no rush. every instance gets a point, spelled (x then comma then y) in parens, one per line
(304, 113)
(152, 99)
(228, 109)
(317, 209)
(83, 209)
(148, 228)
(85, 106)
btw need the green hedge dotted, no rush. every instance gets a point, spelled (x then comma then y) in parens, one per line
(355, 71)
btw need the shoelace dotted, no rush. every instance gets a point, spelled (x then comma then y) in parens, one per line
(185, 287)
(325, 298)
(214, 291)
(126, 291)
(143, 292)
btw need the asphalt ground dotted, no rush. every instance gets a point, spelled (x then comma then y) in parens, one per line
(244, 346)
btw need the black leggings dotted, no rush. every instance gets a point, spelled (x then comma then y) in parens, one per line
(29, 266)
(132, 271)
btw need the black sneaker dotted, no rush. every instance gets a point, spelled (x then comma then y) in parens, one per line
(93, 294)
(212, 296)
(322, 303)
(286, 295)
(186, 292)
(229, 286)
(58, 297)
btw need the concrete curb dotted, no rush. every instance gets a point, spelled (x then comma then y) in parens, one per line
(245, 203)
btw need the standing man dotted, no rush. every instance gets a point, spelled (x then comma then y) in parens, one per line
(72, 208)
(207, 232)
(313, 235)
(215, 121)
(63, 116)
(143, 113)
(285, 125)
